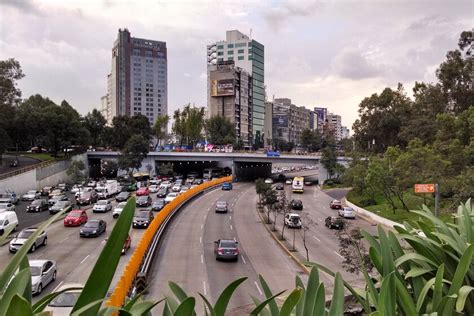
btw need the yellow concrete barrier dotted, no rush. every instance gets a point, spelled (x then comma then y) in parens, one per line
(125, 283)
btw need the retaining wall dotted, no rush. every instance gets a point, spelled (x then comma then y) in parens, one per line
(376, 218)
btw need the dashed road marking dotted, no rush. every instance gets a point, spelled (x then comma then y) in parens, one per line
(202, 226)
(230, 227)
(202, 258)
(316, 238)
(320, 220)
(204, 286)
(84, 259)
(338, 255)
(258, 288)
(243, 259)
(200, 240)
(58, 286)
(230, 217)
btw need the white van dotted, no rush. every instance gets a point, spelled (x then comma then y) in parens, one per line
(8, 220)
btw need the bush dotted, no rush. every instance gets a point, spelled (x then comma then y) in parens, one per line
(367, 202)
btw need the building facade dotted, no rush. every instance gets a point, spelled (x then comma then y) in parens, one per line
(289, 120)
(139, 77)
(249, 55)
(230, 96)
(345, 132)
(334, 124)
(320, 117)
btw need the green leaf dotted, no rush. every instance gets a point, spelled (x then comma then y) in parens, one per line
(172, 304)
(87, 308)
(16, 288)
(186, 307)
(416, 272)
(337, 302)
(177, 291)
(319, 307)
(99, 280)
(19, 306)
(209, 305)
(268, 293)
(405, 300)
(264, 311)
(263, 304)
(388, 295)
(129, 303)
(291, 302)
(438, 287)
(421, 298)
(40, 305)
(301, 302)
(223, 300)
(310, 295)
(416, 257)
(143, 307)
(25, 264)
(464, 292)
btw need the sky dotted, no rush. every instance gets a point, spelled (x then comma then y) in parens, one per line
(317, 53)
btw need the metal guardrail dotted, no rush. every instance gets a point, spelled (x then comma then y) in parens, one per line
(26, 169)
(141, 259)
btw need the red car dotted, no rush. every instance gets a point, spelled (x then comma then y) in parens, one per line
(335, 204)
(75, 218)
(143, 191)
(127, 244)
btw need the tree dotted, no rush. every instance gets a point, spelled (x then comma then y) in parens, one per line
(95, 123)
(220, 130)
(124, 127)
(109, 168)
(307, 139)
(165, 168)
(329, 160)
(188, 124)
(10, 73)
(76, 171)
(353, 250)
(269, 198)
(135, 150)
(261, 187)
(160, 127)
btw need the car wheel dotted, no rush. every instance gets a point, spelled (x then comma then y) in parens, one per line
(54, 277)
(33, 248)
(45, 241)
(40, 289)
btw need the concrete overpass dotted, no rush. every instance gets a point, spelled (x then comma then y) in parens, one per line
(243, 165)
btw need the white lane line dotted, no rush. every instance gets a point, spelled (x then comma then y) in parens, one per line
(202, 258)
(200, 240)
(84, 259)
(243, 259)
(320, 220)
(204, 286)
(230, 217)
(316, 238)
(230, 227)
(58, 286)
(338, 255)
(258, 288)
(62, 240)
(201, 226)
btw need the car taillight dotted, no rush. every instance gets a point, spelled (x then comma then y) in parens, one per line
(236, 251)
(220, 251)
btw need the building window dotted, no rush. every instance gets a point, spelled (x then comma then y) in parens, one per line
(241, 58)
(220, 53)
(230, 52)
(240, 45)
(240, 51)
(230, 45)
(220, 59)
(149, 53)
(230, 58)
(220, 46)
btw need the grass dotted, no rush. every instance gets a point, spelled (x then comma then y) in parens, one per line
(413, 201)
(334, 186)
(39, 156)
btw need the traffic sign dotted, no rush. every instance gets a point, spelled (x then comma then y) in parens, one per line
(425, 188)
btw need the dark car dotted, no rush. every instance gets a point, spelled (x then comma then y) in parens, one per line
(158, 205)
(197, 181)
(93, 228)
(63, 186)
(126, 245)
(226, 249)
(279, 186)
(334, 222)
(142, 219)
(88, 198)
(143, 201)
(38, 206)
(122, 197)
(162, 193)
(56, 198)
(296, 205)
(46, 190)
(227, 186)
(60, 206)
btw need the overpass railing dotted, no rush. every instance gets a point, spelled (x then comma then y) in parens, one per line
(149, 240)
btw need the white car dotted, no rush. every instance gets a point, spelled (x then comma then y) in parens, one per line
(176, 188)
(268, 181)
(102, 206)
(19, 240)
(293, 221)
(7, 207)
(288, 181)
(31, 195)
(82, 190)
(346, 212)
(118, 209)
(43, 272)
(153, 188)
(171, 196)
(165, 185)
(64, 302)
(91, 184)
(76, 188)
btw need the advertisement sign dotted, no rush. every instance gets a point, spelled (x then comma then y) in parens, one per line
(223, 87)
(425, 188)
(280, 116)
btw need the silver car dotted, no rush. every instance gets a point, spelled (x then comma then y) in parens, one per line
(31, 195)
(19, 240)
(221, 207)
(118, 209)
(43, 272)
(7, 207)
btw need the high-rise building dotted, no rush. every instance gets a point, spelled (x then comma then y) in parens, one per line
(289, 120)
(320, 115)
(249, 55)
(345, 132)
(230, 96)
(334, 124)
(138, 81)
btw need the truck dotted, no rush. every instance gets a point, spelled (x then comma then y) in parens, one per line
(107, 189)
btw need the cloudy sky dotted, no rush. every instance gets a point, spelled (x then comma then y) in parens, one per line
(317, 53)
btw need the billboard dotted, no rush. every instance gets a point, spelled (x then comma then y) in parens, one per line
(425, 188)
(223, 87)
(280, 115)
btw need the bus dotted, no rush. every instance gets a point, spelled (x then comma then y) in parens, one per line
(297, 185)
(209, 173)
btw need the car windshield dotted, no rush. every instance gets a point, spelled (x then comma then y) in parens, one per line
(4, 195)
(4, 205)
(31, 192)
(123, 194)
(60, 203)
(102, 202)
(228, 244)
(221, 203)
(24, 234)
(67, 299)
(142, 215)
(143, 198)
(158, 203)
(93, 224)
(173, 194)
(35, 271)
(74, 214)
(36, 202)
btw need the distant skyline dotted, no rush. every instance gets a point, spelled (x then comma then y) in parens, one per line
(317, 53)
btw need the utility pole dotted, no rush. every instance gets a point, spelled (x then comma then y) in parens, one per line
(436, 199)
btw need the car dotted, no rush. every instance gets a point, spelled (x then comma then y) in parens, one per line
(171, 196)
(38, 206)
(60, 206)
(91, 184)
(162, 193)
(165, 184)
(197, 181)
(226, 249)
(288, 181)
(8, 197)
(43, 272)
(221, 207)
(31, 195)
(346, 212)
(143, 191)
(130, 187)
(334, 222)
(76, 188)
(193, 174)
(118, 209)
(178, 181)
(82, 190)
(7, 207)
(268, 181)
(293, 221)
(102, 206)
(227, 186)
(144, 201)
(153, 188)
(122, 196)
(279, 186)
(126, 245)
(88, 198)
(46, 190)
(296, 205)
(93, 228)
(64, 187)
(19, 240)
(55, 192)
(176, 188)
(154, 182)
(75, 218)
(189, 180)
(64, 302)
(335, 204)
(142, 219)
(184, 188)
(158, 205)
(56, 198)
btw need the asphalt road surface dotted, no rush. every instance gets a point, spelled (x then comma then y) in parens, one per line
(337, 193)
(23, 162)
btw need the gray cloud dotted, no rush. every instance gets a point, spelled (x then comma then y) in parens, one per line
(350, 64)
(25, 6)
(288, 9)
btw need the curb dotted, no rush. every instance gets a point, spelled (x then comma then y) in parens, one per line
(285, 249)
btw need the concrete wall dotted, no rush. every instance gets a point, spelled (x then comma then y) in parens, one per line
(376, 218)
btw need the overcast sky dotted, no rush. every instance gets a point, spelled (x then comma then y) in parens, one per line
(317, 53)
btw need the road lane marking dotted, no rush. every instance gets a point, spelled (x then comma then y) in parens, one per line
(204, 286)
(243, 259)
(338, 254)
(320, 220)
(258, 288)
(58, 286)
(230, 217)
(201, 226)
(84, 259)
(230, 227)
(316, 238)
(202, 258)
(200, 240)
(65, 238)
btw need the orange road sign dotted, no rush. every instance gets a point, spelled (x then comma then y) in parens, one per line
(425, 188)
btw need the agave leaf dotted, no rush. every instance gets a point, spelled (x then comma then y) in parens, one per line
(101, 276)
(25, 264)
(19, 306)
(221, 305)
(209, 305)
(311, 291)
(87, 308)
(177, 291)
(404, 299)
(16, 288)
(143, 307)
(319, 307)
(416, 272)
(268, 293)
(172, 304)
(337, 302)
(421, 298)
(40, 305)
(264, 311)
(261, 306)
(464, 292)
(416, 257)
(291, 302)
(129, 304)
(388, 295)
(186, 308)
(301, 302)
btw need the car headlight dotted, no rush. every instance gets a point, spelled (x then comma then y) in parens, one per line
(37, 207)
(94, 232)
